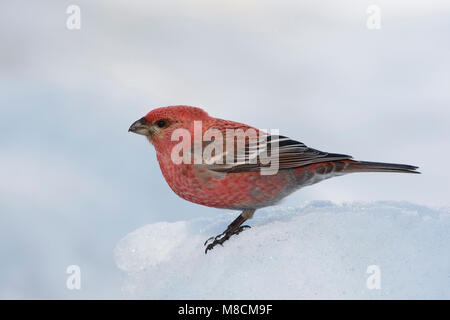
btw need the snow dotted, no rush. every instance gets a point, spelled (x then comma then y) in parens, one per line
(319, 250)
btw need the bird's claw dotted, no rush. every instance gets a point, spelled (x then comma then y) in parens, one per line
(214, 238)
(224, 236)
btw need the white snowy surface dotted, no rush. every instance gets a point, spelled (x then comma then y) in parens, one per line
(320, 250)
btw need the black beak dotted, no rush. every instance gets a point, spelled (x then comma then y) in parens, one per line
(140, 126)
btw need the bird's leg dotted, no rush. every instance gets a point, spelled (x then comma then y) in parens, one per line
(235, 227)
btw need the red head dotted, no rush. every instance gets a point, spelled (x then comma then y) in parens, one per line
(159, 124)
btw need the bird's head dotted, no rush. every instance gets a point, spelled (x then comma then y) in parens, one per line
(159, 124)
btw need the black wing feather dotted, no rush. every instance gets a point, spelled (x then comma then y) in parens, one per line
(289, 154)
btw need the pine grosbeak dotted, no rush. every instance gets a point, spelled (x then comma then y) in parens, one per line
(227, 178)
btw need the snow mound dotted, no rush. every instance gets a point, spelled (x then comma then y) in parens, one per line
(320, 250)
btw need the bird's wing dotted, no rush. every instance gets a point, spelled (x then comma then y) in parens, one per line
(263, 152)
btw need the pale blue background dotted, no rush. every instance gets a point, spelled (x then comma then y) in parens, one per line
(73, 181)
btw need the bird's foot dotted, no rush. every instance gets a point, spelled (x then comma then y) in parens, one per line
(224, 236)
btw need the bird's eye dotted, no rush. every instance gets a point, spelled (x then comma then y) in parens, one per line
(161, 123)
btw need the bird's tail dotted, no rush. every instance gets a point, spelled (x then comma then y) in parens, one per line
(365, 166)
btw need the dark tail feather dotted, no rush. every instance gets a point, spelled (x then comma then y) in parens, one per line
(365, 166)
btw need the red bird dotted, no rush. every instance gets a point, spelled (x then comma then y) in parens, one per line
(239, 184)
